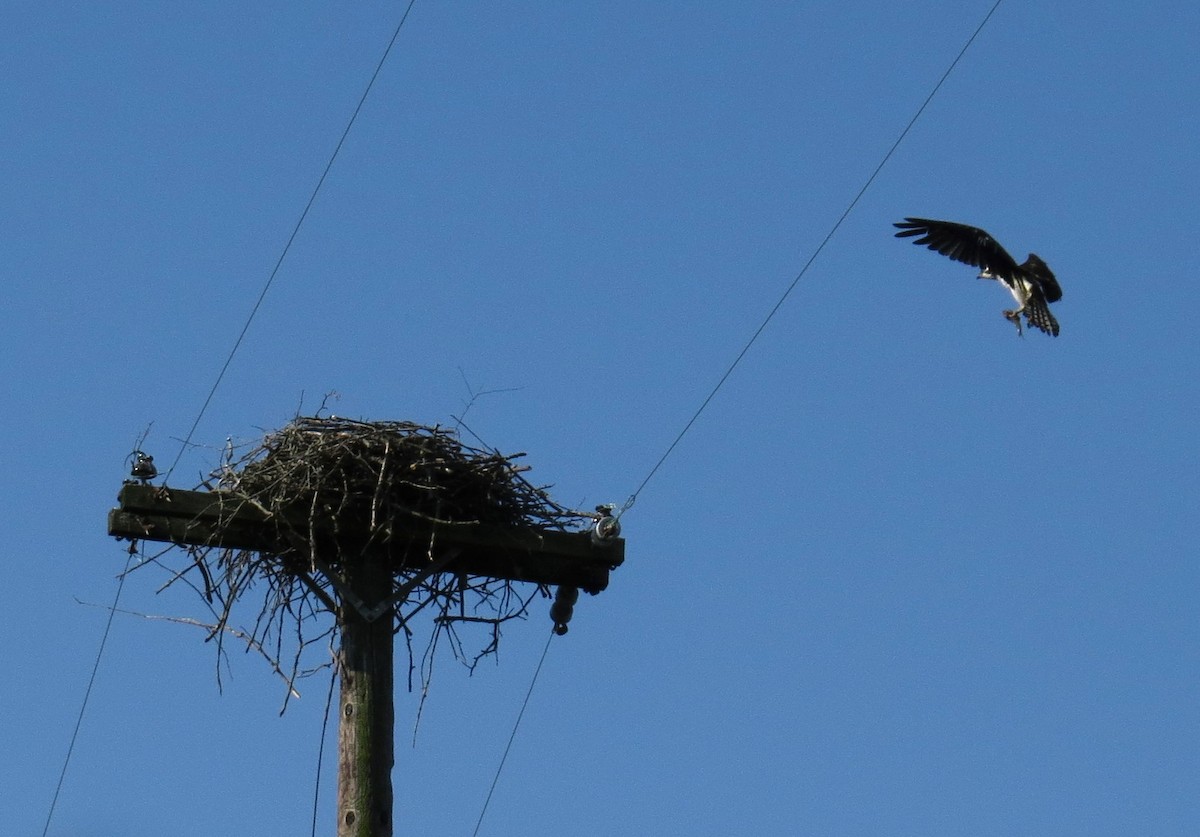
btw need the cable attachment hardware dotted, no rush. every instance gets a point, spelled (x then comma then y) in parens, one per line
(607, 527)
(563, 608)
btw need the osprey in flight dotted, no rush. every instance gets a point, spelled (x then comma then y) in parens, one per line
(1031, 283)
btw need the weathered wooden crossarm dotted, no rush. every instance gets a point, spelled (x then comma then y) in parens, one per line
(191, 531)
(223, 519)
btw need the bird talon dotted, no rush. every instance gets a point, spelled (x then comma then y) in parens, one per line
(1014, 317)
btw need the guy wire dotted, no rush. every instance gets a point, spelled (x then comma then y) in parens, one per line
(803, 270)
(208, 400)
(321, 750)
(87, 693)
(288, 245)
(513, 735)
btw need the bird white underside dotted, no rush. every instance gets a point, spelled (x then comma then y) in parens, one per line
(1021, 289)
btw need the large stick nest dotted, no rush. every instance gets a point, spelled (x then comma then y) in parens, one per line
(334, 487)
(356, 484)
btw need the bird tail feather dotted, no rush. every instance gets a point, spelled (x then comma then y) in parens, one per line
(1038, 315)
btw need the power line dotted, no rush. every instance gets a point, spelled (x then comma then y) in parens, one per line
(212, 391)
(745, 349)
(87, 693)
(631, 499)
(291, 238)
(803, 270)
(321, 750)
(516, 726)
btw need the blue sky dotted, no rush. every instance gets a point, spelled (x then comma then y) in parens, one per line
(907, 575)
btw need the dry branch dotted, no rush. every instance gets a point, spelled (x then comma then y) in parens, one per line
(332, 490)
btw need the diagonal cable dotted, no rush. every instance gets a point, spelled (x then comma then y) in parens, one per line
(208, 400)
(87, 693)
(516, 726)
(288, 245)
(803, 270)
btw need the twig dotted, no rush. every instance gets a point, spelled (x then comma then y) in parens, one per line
(183, 620)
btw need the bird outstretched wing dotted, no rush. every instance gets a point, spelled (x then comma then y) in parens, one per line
(962, 243)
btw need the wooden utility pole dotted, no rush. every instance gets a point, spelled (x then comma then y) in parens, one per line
(366, 605)
(366, 712)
